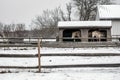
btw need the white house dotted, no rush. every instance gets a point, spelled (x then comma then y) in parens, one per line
(110, 12)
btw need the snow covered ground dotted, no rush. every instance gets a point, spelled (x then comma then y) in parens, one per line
(103, 73)
(86, 75)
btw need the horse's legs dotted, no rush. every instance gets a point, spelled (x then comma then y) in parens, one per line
(99, 39)
(74, 40)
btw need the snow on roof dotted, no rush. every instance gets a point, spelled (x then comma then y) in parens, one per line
(67, 24)
(109, 11)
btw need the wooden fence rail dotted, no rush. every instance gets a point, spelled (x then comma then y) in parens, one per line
(60, 66)
(63, 66)
(19, 55)
(82, 65)
(57, 54)
(35, 39)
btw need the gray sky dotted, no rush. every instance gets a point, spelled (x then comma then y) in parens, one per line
(117, 1)
(23, 11)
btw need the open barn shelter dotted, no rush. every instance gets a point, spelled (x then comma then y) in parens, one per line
(82, 31)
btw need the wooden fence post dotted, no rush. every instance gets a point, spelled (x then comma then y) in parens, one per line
(39, 62)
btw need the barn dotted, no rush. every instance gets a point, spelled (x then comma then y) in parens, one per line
(85, 29)
(112, 13)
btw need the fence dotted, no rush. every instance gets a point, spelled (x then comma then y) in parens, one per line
(53, 42)
(58, 66)
(39, 55)
(24, 39)
(39, 41)
(34, 40)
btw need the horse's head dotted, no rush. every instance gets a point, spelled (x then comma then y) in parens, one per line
(98, 34)
(76, 34)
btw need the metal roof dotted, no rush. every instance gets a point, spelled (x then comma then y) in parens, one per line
(109, 11)
(83, 24)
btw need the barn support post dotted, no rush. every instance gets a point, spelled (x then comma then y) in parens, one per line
(39, 56)
(84, 35)
(61, 35)
(109, 35)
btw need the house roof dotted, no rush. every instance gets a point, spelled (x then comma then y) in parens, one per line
(109, 11)
(83, 24)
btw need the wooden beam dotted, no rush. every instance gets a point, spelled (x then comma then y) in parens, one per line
(17, 45)
(64, 66)
(81, 54)
(20, 67)
(57, 54)
(19, 55)
(83, 65)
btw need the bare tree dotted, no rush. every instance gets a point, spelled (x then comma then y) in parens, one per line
(63, 15)
(6, 30)
(87, 9)
(47, 22)
(66, 16)
(19, 30)
(13, 30)
(69, 10)
(13, 27)
(1, 29)
(20, 27)
(9, 30)
(1, 26)
(49, 18)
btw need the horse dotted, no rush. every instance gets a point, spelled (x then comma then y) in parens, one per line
(97, 35)
(75, 34)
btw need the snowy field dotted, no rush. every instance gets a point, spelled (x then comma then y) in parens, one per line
(103, 73)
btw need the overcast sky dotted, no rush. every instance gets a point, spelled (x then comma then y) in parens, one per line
(23, 11)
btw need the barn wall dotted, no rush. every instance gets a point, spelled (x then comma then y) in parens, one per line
(115, 30)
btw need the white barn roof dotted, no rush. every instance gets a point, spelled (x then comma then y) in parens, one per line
(69, 24)
(109, 11)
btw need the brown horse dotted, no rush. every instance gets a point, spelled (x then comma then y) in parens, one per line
(97, 35)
